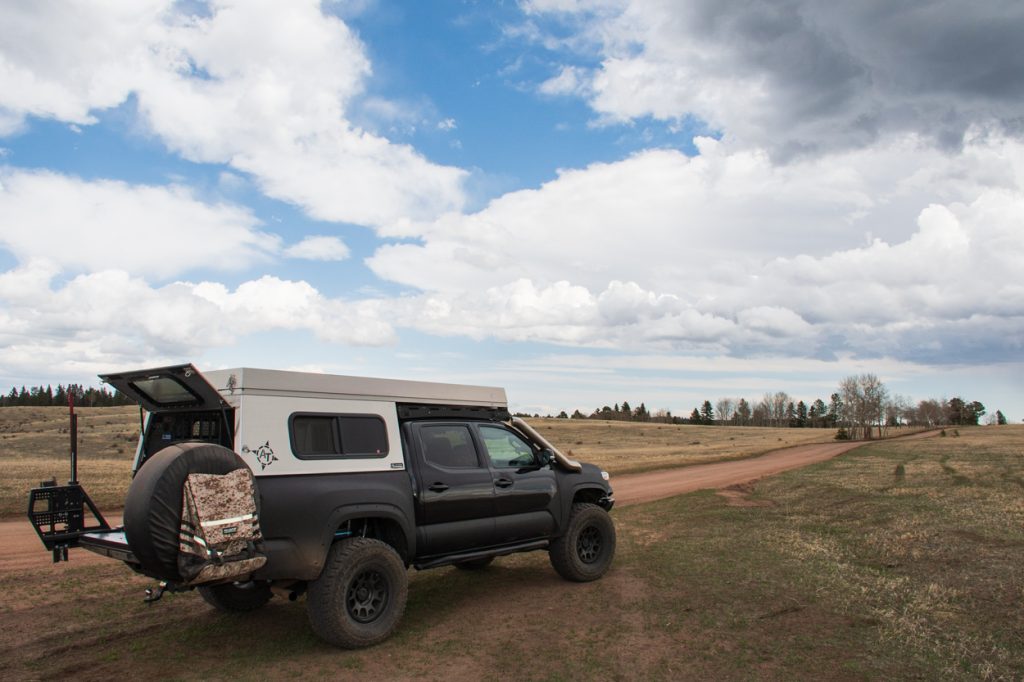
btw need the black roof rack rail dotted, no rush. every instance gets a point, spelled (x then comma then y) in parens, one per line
(410, 411)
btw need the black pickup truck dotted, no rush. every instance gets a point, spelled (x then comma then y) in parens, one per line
(353, 480)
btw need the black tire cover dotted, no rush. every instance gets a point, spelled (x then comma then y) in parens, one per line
(152, 509)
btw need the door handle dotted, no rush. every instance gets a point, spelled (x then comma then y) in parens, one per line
(438, 487)
(503, 483)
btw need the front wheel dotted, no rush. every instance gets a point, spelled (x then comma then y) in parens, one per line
(360, 596)
(586, 550)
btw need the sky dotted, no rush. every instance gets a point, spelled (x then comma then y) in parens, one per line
(582, 201)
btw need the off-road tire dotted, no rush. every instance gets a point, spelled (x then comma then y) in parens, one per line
(152, 508)
(360, 596)
(475, 564)
(236, 597)
(586, 550)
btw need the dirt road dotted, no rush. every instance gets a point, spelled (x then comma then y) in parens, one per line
(22, 549)
(655, 485)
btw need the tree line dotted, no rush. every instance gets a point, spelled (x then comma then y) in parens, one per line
(861, 407)
(47, 396)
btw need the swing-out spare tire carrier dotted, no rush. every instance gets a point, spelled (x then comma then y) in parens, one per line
(152, 509)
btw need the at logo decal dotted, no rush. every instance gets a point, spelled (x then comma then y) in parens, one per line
(264, 454)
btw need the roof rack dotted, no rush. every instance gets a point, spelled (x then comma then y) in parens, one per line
(410, 411)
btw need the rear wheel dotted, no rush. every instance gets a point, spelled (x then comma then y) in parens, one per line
(360, 596)
(586, 550)
(236, 597)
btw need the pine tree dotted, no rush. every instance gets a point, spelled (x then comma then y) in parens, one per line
(742, 415)
(707, 413)
(801, 414)
(835, 410)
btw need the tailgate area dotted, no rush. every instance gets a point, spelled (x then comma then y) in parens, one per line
(109, 543)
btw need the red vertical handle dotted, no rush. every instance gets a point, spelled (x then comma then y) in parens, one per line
(74, 436)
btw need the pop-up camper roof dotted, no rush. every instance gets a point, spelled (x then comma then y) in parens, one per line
(184, 387)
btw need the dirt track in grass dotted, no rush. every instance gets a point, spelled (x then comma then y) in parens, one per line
(656, 485)
(23, 550)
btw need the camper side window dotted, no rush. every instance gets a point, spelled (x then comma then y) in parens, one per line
(327, 436)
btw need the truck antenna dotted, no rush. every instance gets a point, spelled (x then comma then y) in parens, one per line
(74, 438)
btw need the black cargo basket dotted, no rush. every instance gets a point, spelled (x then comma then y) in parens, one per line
(58, 513)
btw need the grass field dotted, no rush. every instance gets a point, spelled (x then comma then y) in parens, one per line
(34, 446)
(900, 560)
(628, 447)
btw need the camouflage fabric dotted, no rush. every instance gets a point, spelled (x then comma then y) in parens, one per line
(219, 528)
(234, 571)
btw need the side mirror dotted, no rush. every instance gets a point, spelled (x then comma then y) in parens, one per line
(545, 457)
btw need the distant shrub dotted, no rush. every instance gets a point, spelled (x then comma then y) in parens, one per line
(842, 434)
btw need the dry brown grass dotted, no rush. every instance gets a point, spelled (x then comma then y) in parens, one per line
(34, 446)
(925, 538)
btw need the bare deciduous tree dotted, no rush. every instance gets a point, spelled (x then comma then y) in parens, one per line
(777, 403)
(864, 398)
(724, 408)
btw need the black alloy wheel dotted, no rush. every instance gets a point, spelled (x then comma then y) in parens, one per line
(368, 596)
(585, 551)
(360, 595)
(588, 545)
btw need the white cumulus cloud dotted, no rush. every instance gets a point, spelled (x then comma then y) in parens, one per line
(263, 86)
(319, 247)
(155, 231)
(111, 318)
(901, 249)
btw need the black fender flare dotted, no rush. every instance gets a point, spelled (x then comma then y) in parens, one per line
(567, 502)
(346, 513)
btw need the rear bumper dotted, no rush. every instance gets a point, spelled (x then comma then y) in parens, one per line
(108, 543)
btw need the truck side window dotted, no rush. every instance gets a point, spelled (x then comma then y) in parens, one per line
(314, 435)
(505, 448)
(448, 446)
(320, 436)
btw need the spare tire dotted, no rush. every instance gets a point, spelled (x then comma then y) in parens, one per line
(152, 509)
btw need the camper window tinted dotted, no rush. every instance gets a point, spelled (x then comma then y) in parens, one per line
(163, 390)
(316, 436)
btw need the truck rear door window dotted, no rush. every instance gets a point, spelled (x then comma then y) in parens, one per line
(322, 436)
(448, 446)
